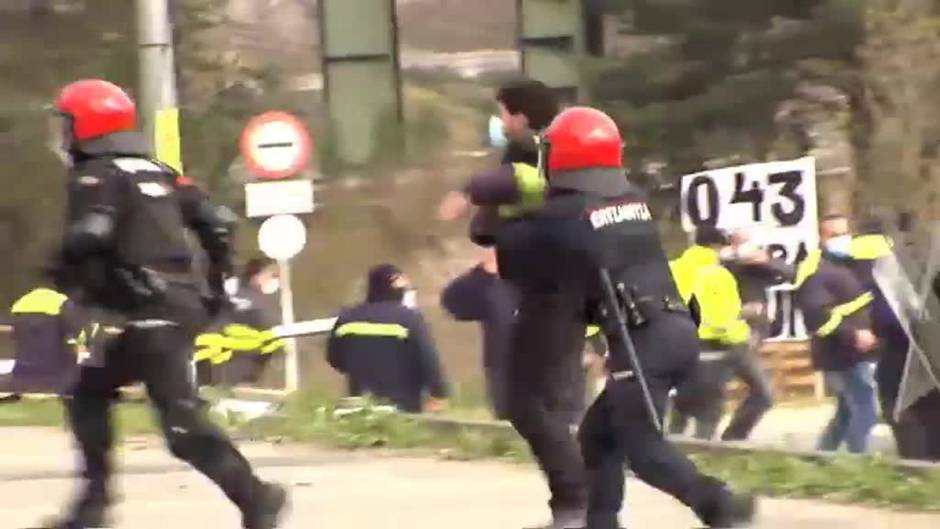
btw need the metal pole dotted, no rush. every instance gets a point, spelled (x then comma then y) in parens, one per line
(157, 70)
(291, 364)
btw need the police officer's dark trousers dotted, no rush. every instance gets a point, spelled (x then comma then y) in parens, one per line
(155, 350)
(617, 427)
(544, 365)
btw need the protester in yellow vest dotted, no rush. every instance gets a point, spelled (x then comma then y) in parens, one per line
(703, 281)
(46, 330)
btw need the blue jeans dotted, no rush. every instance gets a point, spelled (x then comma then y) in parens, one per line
(857, 411)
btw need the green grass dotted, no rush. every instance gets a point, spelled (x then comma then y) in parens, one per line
(321, 419)
(870, 481)
(131, 418)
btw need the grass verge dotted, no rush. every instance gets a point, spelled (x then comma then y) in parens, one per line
(870, 481)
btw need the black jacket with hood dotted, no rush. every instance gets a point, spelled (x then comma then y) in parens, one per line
(385, 348)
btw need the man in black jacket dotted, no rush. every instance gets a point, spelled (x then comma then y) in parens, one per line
(540, 397)
(384, 348)
(836, 308)
(481, 295)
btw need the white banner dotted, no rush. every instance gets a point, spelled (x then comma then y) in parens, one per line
(777, 202)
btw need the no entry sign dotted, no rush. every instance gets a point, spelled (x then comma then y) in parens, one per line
(275, 145)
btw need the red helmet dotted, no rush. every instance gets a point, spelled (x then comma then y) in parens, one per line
(96, 108)
(583, 138)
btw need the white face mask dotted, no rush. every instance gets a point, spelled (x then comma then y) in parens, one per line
(271, 286)
(410, 299)
(840, 246)
(497, 134)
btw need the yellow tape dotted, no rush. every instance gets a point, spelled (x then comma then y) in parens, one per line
(166, 138)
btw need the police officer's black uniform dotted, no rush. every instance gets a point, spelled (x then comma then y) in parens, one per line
(593, 219)
(124, 250)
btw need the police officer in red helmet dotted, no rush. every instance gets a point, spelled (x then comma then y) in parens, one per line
(125, 250)
(594, 220)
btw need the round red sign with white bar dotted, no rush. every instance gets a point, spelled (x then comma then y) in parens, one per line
(276, 145)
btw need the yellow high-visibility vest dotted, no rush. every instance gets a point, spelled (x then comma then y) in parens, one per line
(698, 273)
(531, 191)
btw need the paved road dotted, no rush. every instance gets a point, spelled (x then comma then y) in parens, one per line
(359, 490)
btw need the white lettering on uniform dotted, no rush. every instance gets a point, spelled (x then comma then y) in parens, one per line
(135, 165)
(153, 189)
(632, 212)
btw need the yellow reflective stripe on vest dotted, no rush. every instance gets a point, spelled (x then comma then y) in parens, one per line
(840, 312)
(591, 330)
(40, 301)
(364, 328)
(807, 267)
(531, 187)
(870, 247)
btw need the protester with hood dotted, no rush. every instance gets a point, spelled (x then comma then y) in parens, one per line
(384, 347)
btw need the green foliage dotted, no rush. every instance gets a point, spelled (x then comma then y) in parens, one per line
(701, 69)
(312, 417)
(855, 480)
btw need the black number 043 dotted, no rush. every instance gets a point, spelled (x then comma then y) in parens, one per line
(706, 210)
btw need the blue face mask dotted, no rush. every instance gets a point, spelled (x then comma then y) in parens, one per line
(840, 246)
(497, 136)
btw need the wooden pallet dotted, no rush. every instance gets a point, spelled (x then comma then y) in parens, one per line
(791, 370)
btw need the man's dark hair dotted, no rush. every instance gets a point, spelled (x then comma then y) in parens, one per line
(531, 98)
(710, 236)
(255, 266)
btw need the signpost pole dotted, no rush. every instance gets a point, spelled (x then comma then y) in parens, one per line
(291, 360)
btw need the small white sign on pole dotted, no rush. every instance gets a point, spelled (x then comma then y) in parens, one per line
(282, 238)
(286, 197)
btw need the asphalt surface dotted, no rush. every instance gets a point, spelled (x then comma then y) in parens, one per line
(332, 489)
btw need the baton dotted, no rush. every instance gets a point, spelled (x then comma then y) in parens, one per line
(624, 334)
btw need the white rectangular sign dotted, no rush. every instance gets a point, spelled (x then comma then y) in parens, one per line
(777, 202)
(288, 197)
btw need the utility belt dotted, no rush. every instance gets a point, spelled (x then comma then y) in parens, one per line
(639, 310)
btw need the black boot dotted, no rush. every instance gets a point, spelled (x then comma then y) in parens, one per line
(90, 511)
(731, 511)
(266, 508)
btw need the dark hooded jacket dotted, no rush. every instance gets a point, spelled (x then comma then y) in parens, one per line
(835, 284)
(385, 348)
